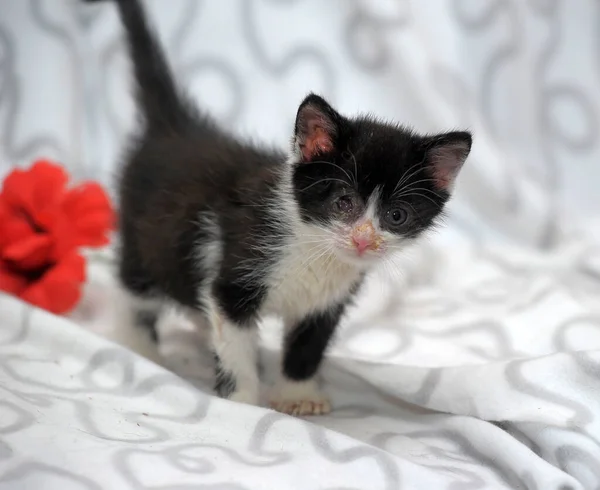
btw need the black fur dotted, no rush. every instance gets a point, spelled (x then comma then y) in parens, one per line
(367, 154)
(306, 344)
(183, 169)
(147, 320)
(224, 381)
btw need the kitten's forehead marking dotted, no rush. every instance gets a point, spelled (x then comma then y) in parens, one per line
(371, 215)
(368, 223)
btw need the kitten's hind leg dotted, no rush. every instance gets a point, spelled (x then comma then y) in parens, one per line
(139, 288)
(146, 315)
(148, 321)
(134, 325)
(236, 363)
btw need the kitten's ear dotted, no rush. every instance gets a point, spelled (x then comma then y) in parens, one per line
(446, 154)
(316, 128)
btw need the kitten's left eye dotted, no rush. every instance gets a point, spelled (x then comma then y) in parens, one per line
(345, 204)
(396, 216)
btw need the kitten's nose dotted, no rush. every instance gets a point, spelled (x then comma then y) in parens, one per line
(362, 243)
(364, 237)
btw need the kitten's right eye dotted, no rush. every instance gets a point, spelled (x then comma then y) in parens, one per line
(345, 204)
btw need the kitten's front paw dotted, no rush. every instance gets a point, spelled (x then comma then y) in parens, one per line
(300, 399)
(300, 408)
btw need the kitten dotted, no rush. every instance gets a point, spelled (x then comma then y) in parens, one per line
(231, 231)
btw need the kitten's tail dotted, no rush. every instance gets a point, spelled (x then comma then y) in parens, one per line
(159, 98)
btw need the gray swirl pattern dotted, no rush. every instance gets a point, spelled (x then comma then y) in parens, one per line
(474, 364)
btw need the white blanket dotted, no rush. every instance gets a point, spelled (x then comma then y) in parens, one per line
(490, 379)
(474, 365)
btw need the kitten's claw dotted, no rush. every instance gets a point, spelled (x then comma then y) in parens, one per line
(315, 405)
(299, 398)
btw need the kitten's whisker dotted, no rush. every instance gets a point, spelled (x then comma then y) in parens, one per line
(325, 162)
(426, 190)
(323, 180)
(406, 176)
(414, 210)
(390, 267)
(355, 164)
(320, 251)
(417, 215)
(412, 188)
(411, 184)
(415, 189)
(352, 181)
(328, 267)
(419, 194)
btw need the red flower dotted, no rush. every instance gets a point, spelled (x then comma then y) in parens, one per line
(56, 287)
(41, 225)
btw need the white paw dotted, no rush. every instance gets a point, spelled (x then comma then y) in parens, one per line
(244, 396)
(300, 399)
(300, 408)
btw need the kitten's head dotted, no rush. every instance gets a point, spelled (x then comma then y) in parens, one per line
(364, 188)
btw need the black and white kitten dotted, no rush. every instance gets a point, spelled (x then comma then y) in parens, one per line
(232, 232)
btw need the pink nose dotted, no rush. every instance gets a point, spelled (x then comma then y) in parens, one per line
(362, 243)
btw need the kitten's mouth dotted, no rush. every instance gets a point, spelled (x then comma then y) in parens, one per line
(361, 246)
(365, 240)
(367, 246)
(360, 255)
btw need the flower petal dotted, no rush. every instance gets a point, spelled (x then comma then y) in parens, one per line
(29, 253)
(90, 212)
(59, 290)
(64, 237)
(34, 190)
(17, 190)
(93, 229)
(13, 228)
(10, 282)
(49, 182)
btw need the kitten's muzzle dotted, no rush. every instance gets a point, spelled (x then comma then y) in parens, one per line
(364, 237)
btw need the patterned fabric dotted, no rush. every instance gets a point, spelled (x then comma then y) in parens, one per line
(473, 363)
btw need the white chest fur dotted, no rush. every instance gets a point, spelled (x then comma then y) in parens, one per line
(306, 281)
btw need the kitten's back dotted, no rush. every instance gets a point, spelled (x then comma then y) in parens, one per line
(183, 182)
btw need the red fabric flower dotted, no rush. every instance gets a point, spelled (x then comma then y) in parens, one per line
(55, 287)
(42, 223)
